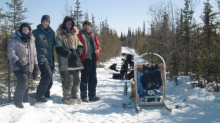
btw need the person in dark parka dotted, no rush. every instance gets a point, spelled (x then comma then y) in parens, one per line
(45, 40)
(23, 61)
(124, 68)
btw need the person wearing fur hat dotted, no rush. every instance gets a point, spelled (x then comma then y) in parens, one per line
(91, 51)
(45, 40)
(23, 61)
(69, 49)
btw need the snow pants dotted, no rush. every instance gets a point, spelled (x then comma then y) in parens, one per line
(88, 78)
(70, 84)
(46, 81)
(21, 90)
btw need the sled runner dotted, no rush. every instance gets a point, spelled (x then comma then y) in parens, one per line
(148, 87)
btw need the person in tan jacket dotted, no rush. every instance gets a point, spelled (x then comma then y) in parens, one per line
(69, 50)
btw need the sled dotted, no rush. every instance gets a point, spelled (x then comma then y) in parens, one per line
(145, 98)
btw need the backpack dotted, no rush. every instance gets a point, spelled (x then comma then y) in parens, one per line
(130, 75)
(117, 76)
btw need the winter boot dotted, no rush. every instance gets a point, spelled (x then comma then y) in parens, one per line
(19, 105)
(70, 101)
(95, 98)
(41, 98)
(78, 100)
(85, 100)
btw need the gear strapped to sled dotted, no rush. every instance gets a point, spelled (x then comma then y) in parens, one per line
(149, 84)
(151, 79)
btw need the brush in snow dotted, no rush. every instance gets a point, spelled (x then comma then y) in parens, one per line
(124, 105)
(149, 85)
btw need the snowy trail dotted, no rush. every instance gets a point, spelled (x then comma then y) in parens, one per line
(202, 106)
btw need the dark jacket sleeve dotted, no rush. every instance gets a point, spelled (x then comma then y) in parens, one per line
(64, 52)
(60, 49)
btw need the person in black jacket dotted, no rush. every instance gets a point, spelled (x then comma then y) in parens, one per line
(124, 68)
(45, 40)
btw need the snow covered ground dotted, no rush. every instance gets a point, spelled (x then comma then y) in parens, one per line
(199, 106)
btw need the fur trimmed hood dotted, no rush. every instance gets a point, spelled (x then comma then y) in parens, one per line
(60, 30)
(18, 34)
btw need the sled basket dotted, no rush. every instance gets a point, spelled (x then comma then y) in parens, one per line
(143, 94)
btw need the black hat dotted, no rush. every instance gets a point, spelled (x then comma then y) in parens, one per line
(24, 25)
(45, 17)
(67, 19)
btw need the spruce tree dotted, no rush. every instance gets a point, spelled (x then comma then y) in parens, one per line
(3, 66)
(94, 26)
(188, 25)
(110, 43)
(86, 16)
(15, 15)
(78, 15)
(13, 19)
(209, 45)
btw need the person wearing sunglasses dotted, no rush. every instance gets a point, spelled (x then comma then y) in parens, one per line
(91, 51)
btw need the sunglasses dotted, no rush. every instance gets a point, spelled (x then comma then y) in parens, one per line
(88, 23)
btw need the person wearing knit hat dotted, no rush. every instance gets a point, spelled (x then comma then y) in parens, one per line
(22, 55)
(46, 18)
(24, 25)
(91, 51)
(45, 21)
(69, 48)
(45, 40)
(23, 29)
(87, 22)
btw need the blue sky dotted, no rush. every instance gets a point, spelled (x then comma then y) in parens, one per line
(120, 14)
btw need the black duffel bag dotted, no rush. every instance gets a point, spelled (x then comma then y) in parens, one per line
(151, 79)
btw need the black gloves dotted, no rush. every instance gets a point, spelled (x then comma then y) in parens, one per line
(72, 57)
(62, 51)
(35, 72)
(23, 68)
(65, 52)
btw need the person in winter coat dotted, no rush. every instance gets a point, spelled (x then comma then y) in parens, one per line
(124, 68)
(91, 51)
(69, 48)
(23, 61)
(45, 40)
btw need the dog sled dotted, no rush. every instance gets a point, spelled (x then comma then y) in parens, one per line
(148, 86)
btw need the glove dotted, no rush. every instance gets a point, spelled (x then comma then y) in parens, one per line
(79, 50)
(74, 60)
(72, 57)
(62, 51)
(35, 72)
(23, 68)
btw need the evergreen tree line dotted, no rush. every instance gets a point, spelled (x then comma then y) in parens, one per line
(10, 21)
(188, 47)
